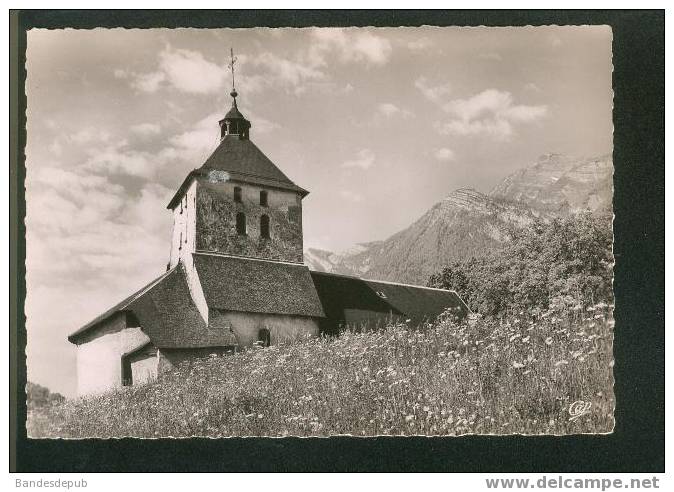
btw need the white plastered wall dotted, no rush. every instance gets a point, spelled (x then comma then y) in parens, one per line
(183, 244)
(99, 356)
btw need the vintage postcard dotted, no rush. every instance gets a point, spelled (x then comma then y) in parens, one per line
(319, 232)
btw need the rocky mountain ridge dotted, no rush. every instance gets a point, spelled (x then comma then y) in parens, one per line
(469, 223)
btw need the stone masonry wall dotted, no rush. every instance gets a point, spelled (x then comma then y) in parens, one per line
(216, 222)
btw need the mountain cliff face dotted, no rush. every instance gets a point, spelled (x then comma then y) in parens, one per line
(469, 223)
(560, 185)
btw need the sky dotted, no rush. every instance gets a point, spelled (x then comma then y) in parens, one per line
(378, 124)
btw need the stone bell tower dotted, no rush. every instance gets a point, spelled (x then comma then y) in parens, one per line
(238, 202)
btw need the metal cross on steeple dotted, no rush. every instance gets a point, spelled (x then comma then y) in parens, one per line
(231, 67)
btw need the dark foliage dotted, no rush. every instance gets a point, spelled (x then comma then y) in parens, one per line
(566, 261)
(38, 396)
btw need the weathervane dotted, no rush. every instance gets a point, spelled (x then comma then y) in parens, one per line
(231, 66)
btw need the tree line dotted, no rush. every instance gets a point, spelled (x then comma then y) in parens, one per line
(561, 262)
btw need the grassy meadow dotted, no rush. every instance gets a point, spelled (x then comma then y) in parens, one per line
(484, 376)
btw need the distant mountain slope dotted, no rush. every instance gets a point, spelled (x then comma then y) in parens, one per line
(464, 224)
(468, 223)
(560, 185)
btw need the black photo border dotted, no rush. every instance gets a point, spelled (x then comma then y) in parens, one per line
(637, 443)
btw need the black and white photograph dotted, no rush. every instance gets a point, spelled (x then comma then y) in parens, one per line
(275, 232)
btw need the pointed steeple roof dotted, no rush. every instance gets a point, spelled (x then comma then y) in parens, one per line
(238, 157)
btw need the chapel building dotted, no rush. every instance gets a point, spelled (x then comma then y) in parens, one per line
(236, 277)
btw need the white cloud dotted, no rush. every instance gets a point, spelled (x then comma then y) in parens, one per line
(349, 45)
(146, 129)
(189, 71)
(56, 148)
(185, 70)
(364, 160)
(389, 110)
(153, 197)
(444, 154)
(88, 135)
(84, 227)
(68, 199)
(274, 71)
(491, 113)
(148, 82)
(532, 87)
(193, 144)
(260, 124)
(420, 44)
(351, 196)
(120, 73)
(288, 71)
(121, 160)
(434, 93)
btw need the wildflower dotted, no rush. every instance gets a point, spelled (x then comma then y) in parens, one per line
(518, 365)
(514, 337)
(548, 341)
(526, 339)
(409, 418)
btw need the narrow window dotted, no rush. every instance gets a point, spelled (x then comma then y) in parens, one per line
(264, 337)
(263, 198)
(237, 194)
(264, 227)
(241, 224)
(180, 243)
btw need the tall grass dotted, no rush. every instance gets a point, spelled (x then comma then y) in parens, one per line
(485, 376)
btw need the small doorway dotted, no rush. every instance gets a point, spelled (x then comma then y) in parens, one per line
(264, 337)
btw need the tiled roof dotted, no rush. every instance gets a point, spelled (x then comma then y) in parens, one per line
(417, 302)
(257, 286)
(120, 306)
(170, 318)
(167, 315)
(243, 161)
(340, 292)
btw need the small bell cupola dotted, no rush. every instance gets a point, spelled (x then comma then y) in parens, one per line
(234, 123)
